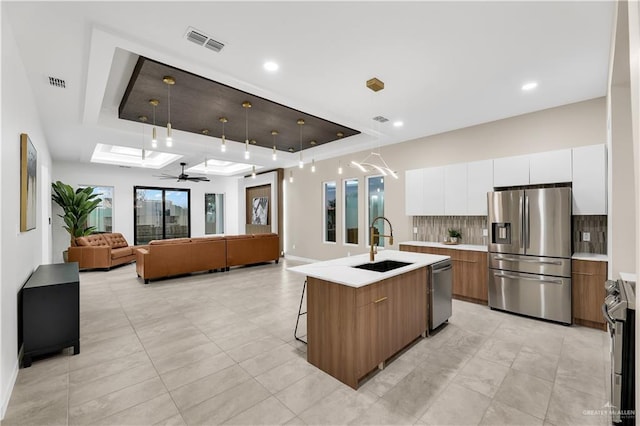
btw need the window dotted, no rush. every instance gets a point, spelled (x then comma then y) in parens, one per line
(375, 203)
(351, 211)
(329, 195)
(102, 216)
(161, 213)
(214, 213)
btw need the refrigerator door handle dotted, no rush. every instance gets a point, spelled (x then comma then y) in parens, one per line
(522, 243)
(516, 277)
(527, 229)
(543, 262)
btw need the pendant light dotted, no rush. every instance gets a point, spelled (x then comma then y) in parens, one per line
(206, 132)
(246, 105)
(274, 156)
(253, 172)
(169, 81)
(223, 146)
(313, 165)
(143, 119)
(340, 135)
(290, 176)
(154, 137)
(300, 123)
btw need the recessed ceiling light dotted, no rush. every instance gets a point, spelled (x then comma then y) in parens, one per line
(529, 86)
(398, 124)
(271, 66)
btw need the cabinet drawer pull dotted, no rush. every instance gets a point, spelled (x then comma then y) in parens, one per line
(583, 273)
(382, 299)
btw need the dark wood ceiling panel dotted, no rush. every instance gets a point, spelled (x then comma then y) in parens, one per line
(197, 103)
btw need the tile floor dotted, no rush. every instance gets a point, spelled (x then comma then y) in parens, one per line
(219, 349)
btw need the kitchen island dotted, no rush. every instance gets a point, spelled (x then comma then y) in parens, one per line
(357, 318)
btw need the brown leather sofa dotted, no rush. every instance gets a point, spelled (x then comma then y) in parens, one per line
(102, 251)
(165, 258)
(250, 249)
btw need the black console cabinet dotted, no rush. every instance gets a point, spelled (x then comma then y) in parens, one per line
(49, 311)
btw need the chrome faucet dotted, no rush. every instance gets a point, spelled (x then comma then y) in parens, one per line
(373, 233)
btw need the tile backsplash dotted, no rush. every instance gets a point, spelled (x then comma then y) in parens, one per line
(596, 226)
(434, 228)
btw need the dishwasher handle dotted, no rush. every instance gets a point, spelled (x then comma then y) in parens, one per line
(439, 270)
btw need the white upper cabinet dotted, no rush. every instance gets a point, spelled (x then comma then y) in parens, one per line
(455, 189)
(433, 191)
(511, 171)
(590, 180)
(479, 182)
(414, 197)
(550, 167)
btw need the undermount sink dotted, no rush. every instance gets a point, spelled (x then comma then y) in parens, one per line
(382, 266)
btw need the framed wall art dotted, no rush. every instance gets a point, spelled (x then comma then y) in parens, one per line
(28, 183)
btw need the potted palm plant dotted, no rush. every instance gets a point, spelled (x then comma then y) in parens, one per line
(76, 206)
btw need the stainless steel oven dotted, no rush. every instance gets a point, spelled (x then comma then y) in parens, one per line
(619, 312)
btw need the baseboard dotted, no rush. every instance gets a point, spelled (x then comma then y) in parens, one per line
(6, 393)
(300, 259)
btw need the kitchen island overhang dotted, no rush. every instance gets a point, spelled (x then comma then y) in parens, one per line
(357, 319)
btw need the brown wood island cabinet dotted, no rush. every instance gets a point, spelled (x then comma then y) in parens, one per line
(470, 271)
(353, 330)
(588, 293)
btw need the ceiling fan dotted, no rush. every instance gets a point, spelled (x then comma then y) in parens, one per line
(183, 177)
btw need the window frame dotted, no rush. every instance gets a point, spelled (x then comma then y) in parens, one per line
(324, 211)
(224, 212)
(344, 211)
(164, 224)
(113, 196)
(367, 214)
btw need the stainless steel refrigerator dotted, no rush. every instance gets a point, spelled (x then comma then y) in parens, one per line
(530, 252)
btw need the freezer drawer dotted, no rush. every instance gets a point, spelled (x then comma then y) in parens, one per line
(531, 264)
(538, 296)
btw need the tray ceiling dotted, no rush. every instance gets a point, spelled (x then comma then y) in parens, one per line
(197, 104)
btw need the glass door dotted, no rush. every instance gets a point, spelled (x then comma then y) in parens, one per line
(161, 213)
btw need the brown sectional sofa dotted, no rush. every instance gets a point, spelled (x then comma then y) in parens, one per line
(165, 258)
(250, 249)
(102, 251)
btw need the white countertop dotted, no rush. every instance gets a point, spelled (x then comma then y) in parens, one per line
(341, 270)
(628, 277)
(590, 256)
(469, 247)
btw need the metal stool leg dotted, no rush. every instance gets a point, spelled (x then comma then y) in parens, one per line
(300, 313)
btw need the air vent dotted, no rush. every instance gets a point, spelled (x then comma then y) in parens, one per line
(57, 82)
(214, 45)
(196, 37)
(381, 119)
(201, 39)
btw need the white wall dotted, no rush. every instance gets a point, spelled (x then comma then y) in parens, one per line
(622, 183)
(123, 180)
(21, 252)
(578, 124)
(270, 178)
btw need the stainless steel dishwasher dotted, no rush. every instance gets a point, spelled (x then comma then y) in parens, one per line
(440, 293)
